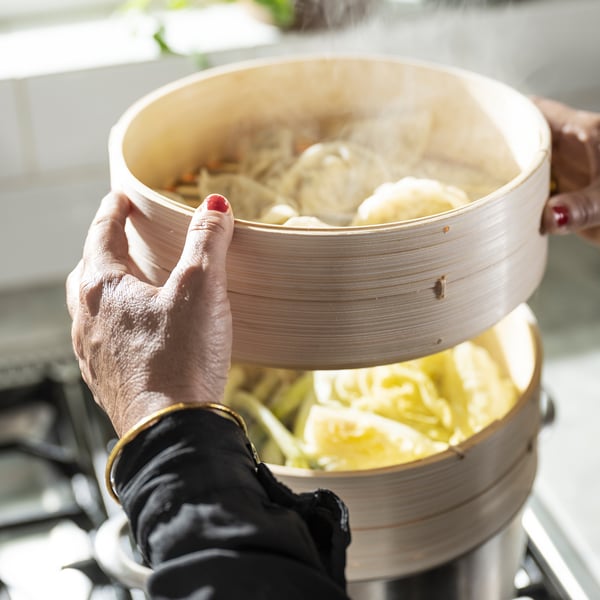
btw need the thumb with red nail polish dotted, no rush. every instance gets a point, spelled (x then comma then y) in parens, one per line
(209, 234)
(216, 202)
(577, 212)
(197, 292)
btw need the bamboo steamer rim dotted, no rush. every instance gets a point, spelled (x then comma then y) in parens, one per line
(119, 131)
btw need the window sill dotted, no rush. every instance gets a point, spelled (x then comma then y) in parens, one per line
(121, 39)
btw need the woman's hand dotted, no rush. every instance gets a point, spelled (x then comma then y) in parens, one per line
(140, 347)
(575, 205)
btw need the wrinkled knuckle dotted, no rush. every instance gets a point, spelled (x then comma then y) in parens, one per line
(585, 208)
(89, 287)
(592, 206)
(208, 226)
(193, 275)
(207, 236)
(108, 222)
(92, 289)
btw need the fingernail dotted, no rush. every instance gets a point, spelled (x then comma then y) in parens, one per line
(561, 215)
(216, 202)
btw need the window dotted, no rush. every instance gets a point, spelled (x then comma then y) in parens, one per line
(14, 10)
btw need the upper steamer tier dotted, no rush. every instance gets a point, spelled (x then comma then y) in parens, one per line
(344, 297)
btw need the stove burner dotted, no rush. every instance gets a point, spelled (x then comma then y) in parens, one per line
(51, 501)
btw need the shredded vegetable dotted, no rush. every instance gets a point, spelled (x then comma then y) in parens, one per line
(371, 417)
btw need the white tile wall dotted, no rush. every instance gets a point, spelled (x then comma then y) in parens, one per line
(54, 160)
(72, 113)
(12, 138)
(43, 226)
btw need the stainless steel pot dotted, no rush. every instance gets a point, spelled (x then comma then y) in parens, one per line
(485, 572)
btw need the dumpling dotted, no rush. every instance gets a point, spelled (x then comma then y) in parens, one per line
(408, 198)
(329, 180)
(306, 222)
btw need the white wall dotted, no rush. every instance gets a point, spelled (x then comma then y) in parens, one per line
(54, 125)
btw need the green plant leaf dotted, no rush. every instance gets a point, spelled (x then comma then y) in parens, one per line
(159, 37)
(178, 4)
(282, 11)
(136, 5)
(200, 60)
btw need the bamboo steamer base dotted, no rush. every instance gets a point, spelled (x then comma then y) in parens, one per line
(412, 517)
(341, 298)
(409, 548)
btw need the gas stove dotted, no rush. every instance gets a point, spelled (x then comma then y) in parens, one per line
(51, 500)
(53, 448)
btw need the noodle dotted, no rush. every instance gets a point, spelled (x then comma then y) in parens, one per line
(351, 172)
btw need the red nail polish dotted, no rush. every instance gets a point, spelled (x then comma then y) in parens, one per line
(561, 215)
(217, 202)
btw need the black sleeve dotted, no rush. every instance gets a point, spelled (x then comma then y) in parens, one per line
(213, 524)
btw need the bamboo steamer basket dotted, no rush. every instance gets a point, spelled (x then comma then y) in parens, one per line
(348, 297)
(408, 518)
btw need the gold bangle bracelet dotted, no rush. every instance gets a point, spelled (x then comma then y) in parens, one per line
(154, 418)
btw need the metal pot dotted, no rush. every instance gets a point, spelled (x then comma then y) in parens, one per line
(485, 572)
